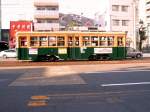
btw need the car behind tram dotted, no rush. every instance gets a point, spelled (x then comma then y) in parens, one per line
(3, 45)
(71, 45)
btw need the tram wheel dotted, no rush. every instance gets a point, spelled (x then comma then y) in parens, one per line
(92, 58)
(52, 58)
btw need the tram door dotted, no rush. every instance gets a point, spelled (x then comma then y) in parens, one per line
(120, 48)
(73, 47)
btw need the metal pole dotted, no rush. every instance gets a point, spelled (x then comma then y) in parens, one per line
(134, 22)
(111, 23)
(148, 34)
(0, 20)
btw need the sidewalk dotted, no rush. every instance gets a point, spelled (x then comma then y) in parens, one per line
(8, 59)
(146, 54)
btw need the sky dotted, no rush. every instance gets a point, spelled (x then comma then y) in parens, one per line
(87, 8)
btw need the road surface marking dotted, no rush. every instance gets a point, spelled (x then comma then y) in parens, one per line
(37, 103)
(40, 97)
(125, 84)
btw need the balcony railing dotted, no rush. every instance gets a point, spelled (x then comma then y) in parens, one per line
(46, 14)
(46, 26)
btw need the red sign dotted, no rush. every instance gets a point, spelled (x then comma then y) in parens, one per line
(18, 26)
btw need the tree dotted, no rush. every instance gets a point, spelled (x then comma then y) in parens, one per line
(142, 33)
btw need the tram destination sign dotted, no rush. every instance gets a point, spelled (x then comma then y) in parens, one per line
(102, 50)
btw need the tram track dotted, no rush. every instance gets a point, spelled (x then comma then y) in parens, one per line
(79, 62)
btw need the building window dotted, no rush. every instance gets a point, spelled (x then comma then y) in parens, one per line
(125, 22)
(148, 16)
(40, 21)
(47, 8)
(115, 22)
(40, 8)
(124, 8)
(115, 7)
(148, 2)
(148, 9)
(47, 21)
(52, 8)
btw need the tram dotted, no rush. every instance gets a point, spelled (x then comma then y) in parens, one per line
(70, 45)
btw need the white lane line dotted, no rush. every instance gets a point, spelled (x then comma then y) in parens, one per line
(1, 80)
(114, 71)
(125, 84)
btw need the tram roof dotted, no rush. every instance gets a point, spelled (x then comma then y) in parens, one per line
(71, 32)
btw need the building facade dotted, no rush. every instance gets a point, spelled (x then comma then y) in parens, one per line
(147, 21)
(46, 15)
(122, 15)
(147, 9)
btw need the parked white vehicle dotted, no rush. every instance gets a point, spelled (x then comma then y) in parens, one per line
(10, 53)
(133, 53)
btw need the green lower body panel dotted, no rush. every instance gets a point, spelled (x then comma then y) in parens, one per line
(22, 54)
(70, 53)
(119, 53)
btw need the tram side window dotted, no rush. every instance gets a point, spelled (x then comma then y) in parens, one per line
(77, 41)
(70, 41)
(103, 41)
(23, 41)
(34, 41)
(43, 40)
(51, 41)
(94, 40)
(60, 41)
(110, 41)
(120, 41)
(86, 40)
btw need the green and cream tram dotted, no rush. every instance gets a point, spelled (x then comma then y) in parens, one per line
(71, 45)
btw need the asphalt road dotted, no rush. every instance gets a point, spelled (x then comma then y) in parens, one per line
(85, 88)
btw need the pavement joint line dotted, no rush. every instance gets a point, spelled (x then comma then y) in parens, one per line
(125, 84)
(95, 93)
(1, 80)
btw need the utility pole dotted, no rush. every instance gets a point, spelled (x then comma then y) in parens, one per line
(0, 20)
(142, 33)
